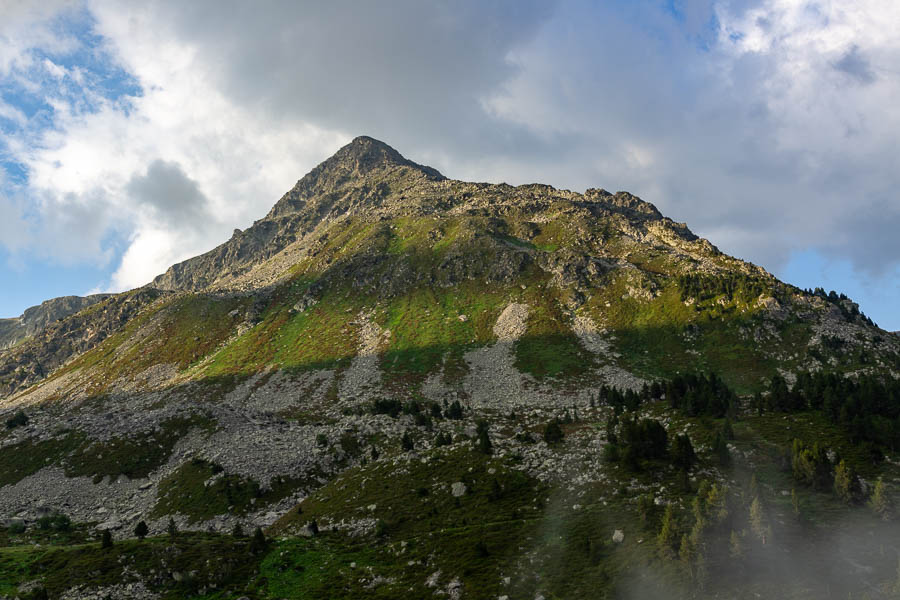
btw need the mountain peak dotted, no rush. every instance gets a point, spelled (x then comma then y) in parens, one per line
(365, 154)
(362, 162)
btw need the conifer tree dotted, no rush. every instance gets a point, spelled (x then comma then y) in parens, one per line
(258, 542)
(483, 438)
(686, 555)
(668, 534)
(846, 483)
(879, 502)
(141, 530)
(758, 521)
(735, 548)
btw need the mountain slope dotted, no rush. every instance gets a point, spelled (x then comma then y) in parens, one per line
(386, 324)
(36, 318)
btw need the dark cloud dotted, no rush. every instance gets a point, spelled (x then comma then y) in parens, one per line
(403, 71)
(173, 198)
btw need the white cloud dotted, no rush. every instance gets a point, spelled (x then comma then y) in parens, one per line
(244, 102)
(84, 173)
(26, 25)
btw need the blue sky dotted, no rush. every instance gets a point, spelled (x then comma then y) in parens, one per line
(132, 137)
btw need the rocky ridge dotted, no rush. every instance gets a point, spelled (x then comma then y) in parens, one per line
(37, 318)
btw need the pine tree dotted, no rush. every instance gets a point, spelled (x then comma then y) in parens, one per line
(728, 430)
(406, 442)
(455, 411)
(106, 540)
(483, 438)
(758, 521)
(754, 486)
(645, 506)
(846, 483)
(172, 529)
(683, 455)
(880, 502)
(686, 555)
(258, 542)
(141, 530)
(735, 548)
(237, 531)
(720, 449)
(668, 534)
(896, 587)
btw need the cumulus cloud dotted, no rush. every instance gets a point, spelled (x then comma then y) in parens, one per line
(769, 131)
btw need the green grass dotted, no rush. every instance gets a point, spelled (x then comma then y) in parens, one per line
(662, 337)
(320, 337)
(198, 559)
(426, 329)
(549, 348)
(190, 327)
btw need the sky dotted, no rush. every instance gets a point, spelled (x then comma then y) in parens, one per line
(134, 135)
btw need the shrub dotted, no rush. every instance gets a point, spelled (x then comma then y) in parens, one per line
(350, 445)
(383, 406)
(20, 419)
(380, 529)
(553, 433)
(17, 527)
(55, 522)
(612, 453)
(455, 410)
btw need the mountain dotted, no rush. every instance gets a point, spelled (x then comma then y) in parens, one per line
(422, 386)
(37, 318)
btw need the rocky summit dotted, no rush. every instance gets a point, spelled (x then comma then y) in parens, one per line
(400, 385)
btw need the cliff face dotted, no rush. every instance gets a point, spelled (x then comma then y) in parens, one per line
(37, 318)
